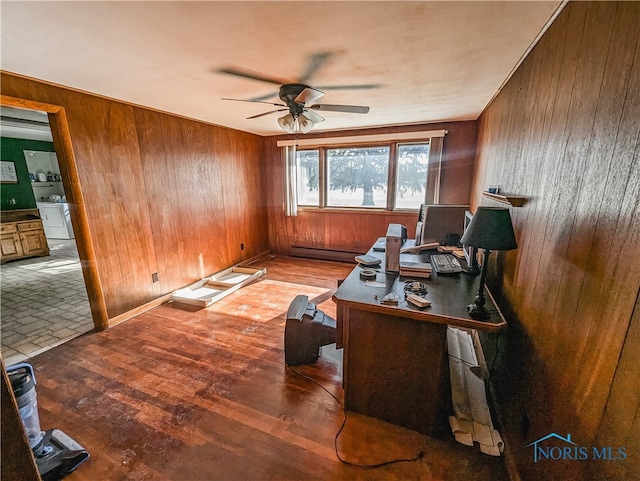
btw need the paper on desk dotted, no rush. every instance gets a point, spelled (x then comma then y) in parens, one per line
(374, 284)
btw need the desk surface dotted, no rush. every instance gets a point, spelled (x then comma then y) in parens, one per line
(449, 296)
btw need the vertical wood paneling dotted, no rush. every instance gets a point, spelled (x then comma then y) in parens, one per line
(565, 132)
(162, 193)
(128, 208)
(569, 232)
(244, 194)
(596, 238)
(156, 172)
(91, 146)
(621, 421)
(349, 231)
(186, 203)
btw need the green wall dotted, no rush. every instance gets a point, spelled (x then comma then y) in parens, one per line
(12, 149)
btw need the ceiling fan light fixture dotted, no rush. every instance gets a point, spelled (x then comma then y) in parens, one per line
(295, 123)
(287, 123)
(305, 124)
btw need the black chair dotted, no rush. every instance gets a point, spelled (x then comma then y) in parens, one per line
(306, 331)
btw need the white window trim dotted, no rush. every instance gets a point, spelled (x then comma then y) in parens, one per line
(356, 139)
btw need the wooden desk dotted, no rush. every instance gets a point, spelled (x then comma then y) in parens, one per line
(394, 361)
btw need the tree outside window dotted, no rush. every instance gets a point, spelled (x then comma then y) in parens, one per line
(413, 163)
(308, 165)
(359, 176)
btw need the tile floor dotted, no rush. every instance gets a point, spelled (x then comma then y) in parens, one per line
(43, 302)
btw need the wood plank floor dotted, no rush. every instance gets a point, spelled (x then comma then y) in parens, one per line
(180, 393)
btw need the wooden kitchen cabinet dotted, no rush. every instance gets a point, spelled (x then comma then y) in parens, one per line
(11, 246)
(22, 235)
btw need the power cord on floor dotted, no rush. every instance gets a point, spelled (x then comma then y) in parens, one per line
(417, 457)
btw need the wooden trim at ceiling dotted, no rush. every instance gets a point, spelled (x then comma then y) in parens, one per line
(68, 170)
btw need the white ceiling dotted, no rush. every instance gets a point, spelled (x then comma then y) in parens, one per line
(432, 61)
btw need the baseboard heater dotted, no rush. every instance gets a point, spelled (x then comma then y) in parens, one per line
(323, 254)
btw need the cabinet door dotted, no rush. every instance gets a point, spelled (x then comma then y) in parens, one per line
(11, 246)
(34, 242)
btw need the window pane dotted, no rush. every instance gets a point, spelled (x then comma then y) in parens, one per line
(413, 160)
(358, 176)
(308, 188)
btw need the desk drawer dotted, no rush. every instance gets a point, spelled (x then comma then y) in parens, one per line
(8, 228)
(22, 226)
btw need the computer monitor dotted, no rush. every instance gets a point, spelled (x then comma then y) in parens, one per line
(442, 223)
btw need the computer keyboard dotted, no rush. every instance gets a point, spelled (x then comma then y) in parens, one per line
(445, 264)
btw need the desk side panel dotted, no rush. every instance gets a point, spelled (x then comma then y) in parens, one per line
(396, 370)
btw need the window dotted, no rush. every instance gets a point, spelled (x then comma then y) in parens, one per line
(377, 171)
(412, 165)
(308, 167)
(357, 177)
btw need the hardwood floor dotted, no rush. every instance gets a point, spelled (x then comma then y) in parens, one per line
(179, 393)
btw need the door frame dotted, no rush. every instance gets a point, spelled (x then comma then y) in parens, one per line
(79, 220)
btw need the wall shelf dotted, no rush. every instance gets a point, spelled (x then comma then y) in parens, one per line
(512, 200)
(42, 184)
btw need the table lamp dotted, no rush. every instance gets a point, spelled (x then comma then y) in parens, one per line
(491, 230)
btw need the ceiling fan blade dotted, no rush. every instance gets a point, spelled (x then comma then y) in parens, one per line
(238, 72)
(353, 109)
(265, 113)
(311, 115)
(254, 101)
(308, 96)
(350, 87)
(265, 97)
(316, 61)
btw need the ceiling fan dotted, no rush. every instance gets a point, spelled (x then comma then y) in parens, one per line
(298, 97)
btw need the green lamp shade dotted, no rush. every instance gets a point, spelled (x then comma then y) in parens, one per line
(491, 229)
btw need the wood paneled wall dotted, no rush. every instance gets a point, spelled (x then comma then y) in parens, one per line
(564, 132)
(163, 194)
(357, 231)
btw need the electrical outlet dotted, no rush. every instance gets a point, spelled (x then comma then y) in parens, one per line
(242, 246)
(12, 201)
(154, 277)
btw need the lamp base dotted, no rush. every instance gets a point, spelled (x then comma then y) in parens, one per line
(473, 271)
(478, 312)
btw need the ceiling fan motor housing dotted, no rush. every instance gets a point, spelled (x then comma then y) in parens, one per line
(288, 93)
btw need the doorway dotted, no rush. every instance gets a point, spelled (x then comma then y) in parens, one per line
(60, 293)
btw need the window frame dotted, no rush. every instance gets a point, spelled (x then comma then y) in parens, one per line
(392, 175)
